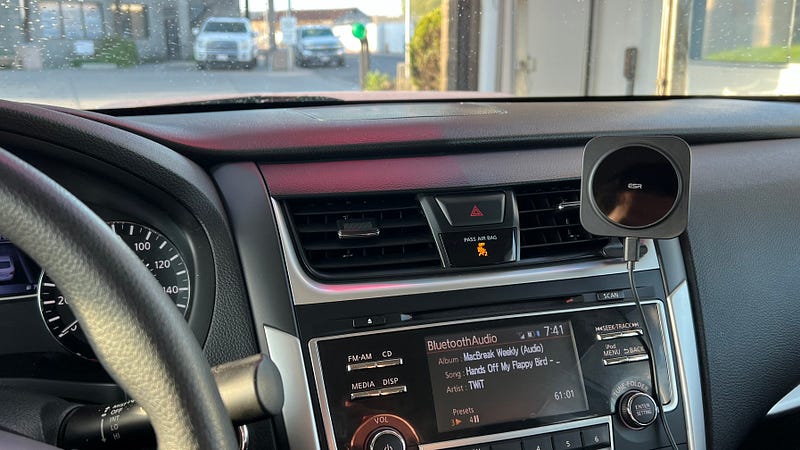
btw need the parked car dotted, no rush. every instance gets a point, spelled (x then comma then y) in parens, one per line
(317, 44)
(226, 41)
(6, 268)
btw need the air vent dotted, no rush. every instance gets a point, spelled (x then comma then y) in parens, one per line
(550, 226)
(357, 236)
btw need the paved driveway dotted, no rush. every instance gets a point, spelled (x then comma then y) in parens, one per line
(92, 88)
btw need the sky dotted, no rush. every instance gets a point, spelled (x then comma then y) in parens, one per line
(369, 7)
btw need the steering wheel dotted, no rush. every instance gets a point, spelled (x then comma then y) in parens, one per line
(134, 329)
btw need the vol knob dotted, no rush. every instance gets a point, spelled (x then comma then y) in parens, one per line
(387, 439)
(637, 410)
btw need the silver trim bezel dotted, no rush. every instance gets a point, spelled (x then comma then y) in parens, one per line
(286, 352)
(307, 291)
(319, 378)
(683, 334)
(521, 434)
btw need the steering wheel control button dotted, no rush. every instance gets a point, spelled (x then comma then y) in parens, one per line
(596, 437)
(637, 410)
(538, 443)
(471, 210)
(387, 439)
(479, 248)
(567, 440)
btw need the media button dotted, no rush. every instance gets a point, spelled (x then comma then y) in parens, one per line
(365, 394)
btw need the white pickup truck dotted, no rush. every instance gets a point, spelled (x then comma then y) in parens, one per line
(225, 41)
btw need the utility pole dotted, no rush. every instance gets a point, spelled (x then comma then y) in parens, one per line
(407, 56)
(246, 9)
(271, 23)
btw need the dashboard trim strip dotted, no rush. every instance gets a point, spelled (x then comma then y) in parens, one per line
(286, 352)
(306, 291)
(680, 312)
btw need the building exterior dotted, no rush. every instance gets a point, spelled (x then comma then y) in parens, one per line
(543, 48)
(61, 29)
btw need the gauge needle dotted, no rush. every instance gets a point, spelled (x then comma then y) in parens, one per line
(68, 329)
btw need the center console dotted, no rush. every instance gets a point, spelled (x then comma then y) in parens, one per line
(475, 336)
(566, 377)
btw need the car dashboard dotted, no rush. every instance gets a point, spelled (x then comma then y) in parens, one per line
(419, 274)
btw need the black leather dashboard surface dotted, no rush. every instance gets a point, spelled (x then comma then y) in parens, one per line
(742, 236)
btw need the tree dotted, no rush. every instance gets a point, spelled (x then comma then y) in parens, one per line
(426, 51)
(420, 8)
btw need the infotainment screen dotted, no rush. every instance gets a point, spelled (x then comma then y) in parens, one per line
(505, 374)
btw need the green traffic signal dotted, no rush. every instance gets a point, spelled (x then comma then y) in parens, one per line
(359, 31)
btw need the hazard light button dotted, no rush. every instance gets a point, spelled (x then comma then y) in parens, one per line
(469, 210)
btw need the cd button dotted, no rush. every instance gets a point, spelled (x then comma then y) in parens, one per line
(389, 362)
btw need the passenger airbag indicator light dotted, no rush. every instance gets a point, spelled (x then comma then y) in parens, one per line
(475, 248)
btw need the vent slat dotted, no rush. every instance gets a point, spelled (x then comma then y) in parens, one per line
(405, 243)
(385, 224)
(372, 261)
(550, 234)
(344, 244)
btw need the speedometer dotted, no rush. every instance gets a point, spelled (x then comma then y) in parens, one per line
(157, 253)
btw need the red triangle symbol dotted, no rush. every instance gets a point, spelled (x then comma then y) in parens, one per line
(476, 212)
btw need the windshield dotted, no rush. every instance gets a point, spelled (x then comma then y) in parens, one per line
(225, 27)
(96, 54)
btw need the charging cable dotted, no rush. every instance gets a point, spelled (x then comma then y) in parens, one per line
(631, 256)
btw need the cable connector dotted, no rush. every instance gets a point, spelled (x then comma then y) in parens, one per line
(630, 251)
